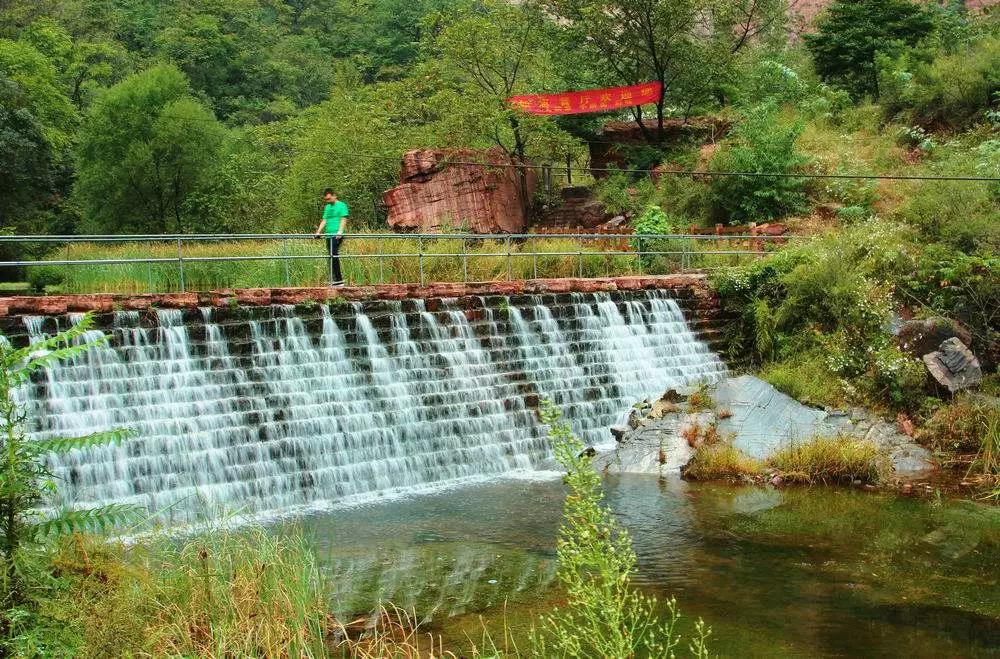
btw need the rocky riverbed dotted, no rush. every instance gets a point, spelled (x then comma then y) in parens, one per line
(662, 435)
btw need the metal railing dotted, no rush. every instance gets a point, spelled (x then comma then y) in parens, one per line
(685, 252)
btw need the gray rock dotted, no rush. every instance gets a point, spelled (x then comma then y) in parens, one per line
(763, 420)
(919, 337)
(618, 432)
(953, 365)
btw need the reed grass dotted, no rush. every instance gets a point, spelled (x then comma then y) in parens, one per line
(722, 461)
(238, 594)
(364, 261)
(832, 460)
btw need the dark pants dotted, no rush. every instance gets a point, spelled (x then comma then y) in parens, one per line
(336, 278)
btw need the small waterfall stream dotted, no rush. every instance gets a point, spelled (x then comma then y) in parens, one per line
(271, 408)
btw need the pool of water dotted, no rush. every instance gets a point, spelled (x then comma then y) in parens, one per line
(791, 572)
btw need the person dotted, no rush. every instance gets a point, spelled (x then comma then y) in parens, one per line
(333, 225)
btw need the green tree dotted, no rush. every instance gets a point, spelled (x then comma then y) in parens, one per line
(760, 144)
(604, 614)
(485, 53)
(850, 35)
(26, 174)
(688, 46)
(40, 90)
(146, 145)
(37, 124)
(351, 142)
(25, 479)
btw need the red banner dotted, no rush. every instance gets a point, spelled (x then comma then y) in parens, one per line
(591, 100)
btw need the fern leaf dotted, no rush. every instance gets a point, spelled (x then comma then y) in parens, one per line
(88, 520)
(59, 354)
(53, 342)
(66, 444)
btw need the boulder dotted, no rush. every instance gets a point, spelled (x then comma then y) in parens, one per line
(923, 336)
(618, 432)
(434, 195)
(761, 421)
(953, 365)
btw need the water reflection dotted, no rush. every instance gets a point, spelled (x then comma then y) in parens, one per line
(775, 572)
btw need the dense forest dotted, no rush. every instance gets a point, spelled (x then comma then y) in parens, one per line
(141, 116)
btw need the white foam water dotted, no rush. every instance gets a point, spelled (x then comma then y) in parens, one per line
(279, 408)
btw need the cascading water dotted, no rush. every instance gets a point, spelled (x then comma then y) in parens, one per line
(272, 408)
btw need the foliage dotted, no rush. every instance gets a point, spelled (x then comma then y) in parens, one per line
(832, 460)
(958, 426)
(145, 147)
(850, 34)
(807, 378)
(818, 313)
(26, 480)
(483, 54)
(628, 42)
(759, 144)
(946, 89)
(224, 593)
(604, 616)
(359, 164)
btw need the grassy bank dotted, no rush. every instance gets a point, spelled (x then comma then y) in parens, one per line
(820, 460)
(365, 261)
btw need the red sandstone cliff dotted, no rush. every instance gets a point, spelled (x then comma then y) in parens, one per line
(435, 194)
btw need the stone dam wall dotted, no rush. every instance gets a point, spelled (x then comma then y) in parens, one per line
(692, 293)
(270, 406)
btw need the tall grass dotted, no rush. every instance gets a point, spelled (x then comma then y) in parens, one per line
(832, 460)
(364, 261)
(721, 462)
(238, 594)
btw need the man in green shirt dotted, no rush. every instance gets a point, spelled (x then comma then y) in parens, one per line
(333, 225)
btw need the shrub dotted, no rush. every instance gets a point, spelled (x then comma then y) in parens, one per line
(759, 144)
(701, 399)
(958, 426)
(653, 221)
(832, 460)
(604, 615)
(721, 461)
(947, 89)
(621, 194)
(850, 35)
(806, 378)
(958, 285)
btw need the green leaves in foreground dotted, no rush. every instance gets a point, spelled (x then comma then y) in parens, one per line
(604, 616)
(26, 480)
(88, 520)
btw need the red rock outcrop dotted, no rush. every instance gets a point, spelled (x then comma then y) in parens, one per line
(435, 193)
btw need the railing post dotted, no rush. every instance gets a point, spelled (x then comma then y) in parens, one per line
(284, 261)
(534, 261)
(569, 170)
(420, 257)
(465, 260)
(149, 277)
(381, 261)
(180, 264)
(509, 274)
(579, 261)
(329, 264)
(638, 247)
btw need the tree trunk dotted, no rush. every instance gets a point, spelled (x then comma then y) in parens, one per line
(519, 154)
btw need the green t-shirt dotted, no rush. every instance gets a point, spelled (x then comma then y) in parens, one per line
(333, 213)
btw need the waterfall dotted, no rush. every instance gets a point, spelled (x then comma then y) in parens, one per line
(272, 408)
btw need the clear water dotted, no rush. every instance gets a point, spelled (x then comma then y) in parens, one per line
(273, 409)
(794, 572)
